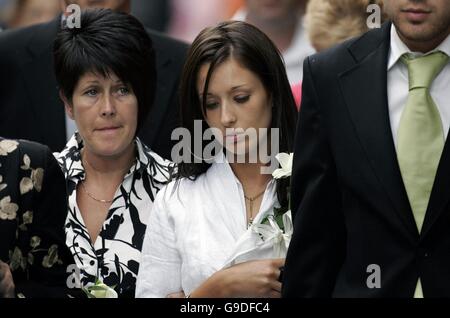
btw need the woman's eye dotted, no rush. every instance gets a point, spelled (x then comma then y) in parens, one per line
(211, 105)
(124, 91)
(91, 93)
(242, 99)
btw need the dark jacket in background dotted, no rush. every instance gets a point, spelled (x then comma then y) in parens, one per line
(33, 210)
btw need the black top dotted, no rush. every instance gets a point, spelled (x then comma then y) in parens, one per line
(33, 209)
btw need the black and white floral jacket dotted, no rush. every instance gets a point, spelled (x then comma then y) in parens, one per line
(33, 208)
(114, 257)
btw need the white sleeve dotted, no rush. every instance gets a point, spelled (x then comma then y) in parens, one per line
(160, 268)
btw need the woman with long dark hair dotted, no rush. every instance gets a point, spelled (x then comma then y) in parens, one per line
(234, 83)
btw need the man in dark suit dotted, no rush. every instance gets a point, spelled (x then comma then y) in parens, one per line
(30, 107)
(371, 171)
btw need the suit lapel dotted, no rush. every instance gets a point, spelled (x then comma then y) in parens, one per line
(41, 86)
(364, 88)
(440, 195)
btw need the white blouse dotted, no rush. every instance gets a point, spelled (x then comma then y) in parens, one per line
(195, 229)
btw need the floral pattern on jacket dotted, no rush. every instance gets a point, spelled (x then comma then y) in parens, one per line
(33, 207)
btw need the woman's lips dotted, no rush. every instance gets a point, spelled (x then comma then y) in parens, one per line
(232, 138)
(108, 130)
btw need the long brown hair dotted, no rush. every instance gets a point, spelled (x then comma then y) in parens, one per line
(255, 51)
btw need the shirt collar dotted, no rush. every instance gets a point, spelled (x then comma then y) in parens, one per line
(398, 48)
(146, 161)
(221, 163)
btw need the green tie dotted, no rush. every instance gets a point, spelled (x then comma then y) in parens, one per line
(420, 134)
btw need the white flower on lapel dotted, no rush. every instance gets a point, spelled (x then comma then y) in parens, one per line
(273, 233)
(8, 210)
(285, 161)
(7, 146)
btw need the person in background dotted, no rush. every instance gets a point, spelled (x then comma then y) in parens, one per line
(112, 177)
(190, 17)
(29, 12)
(330, 22)
(29, 98)
(5, 12)
(281, 20)
(154, 14)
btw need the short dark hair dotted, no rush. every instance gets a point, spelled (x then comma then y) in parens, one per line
(253, 50)
(107, 42)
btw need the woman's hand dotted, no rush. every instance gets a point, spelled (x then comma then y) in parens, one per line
(250, 279)
(6, 281)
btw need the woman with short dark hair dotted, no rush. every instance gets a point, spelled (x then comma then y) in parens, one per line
(106, 72)
(203, 239)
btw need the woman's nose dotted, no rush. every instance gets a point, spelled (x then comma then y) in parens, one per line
(108, 106)
(228, 117)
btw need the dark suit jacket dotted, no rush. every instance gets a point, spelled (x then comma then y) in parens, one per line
(350, 206)
(32, 238)
(30, 107)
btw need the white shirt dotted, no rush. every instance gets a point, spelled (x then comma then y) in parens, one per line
(398, 86)
(193, 231)
(294, 55)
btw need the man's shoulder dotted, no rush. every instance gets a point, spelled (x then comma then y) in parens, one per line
(343, 56)
(23, 153)
(16, 40)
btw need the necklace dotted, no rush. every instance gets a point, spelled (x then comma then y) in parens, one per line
(92, 197)
(251, 200)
